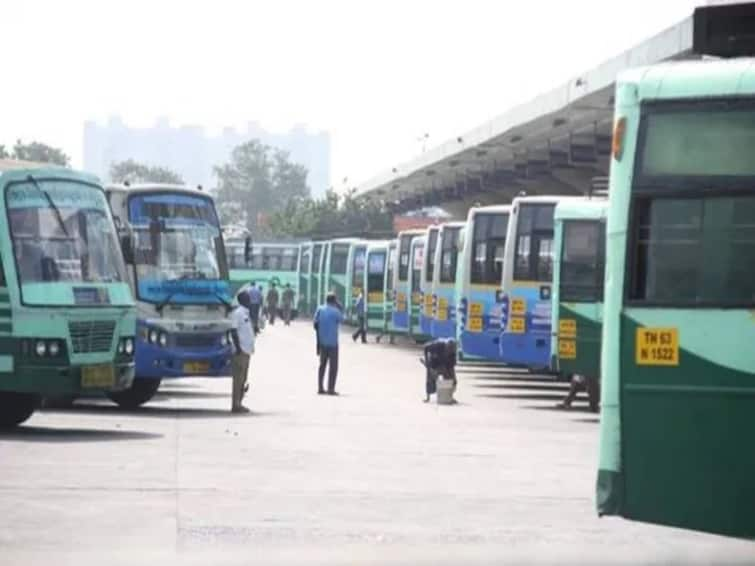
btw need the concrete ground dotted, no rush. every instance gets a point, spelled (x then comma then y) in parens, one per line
(371, 477)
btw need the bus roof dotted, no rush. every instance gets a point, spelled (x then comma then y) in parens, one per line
(455, 224)
(19, 169)
(491, 208)
(155, 187)
(581, 209)
(413, 232)
(692, 79)
(541, 199)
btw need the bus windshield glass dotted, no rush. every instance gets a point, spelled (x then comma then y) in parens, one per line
(339, 259)
(534, 243)
(432, 242)
(698, 139)
(357, 276)
(488, 245)
(582, 261)
(62, 232)
(177, 249)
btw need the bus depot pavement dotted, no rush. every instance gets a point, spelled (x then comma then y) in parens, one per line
(373, 476)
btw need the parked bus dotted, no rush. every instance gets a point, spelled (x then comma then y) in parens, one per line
(444, 292)
(267, 264)
(401, 289)
(527, 278)
(481, 273)
(416, 286)
(67, 317)
(314, 276)
(577, 296)
(390, 290)
(179, 276)
(305, 264)
(427, 300)
(678, 398)
(356, 275)
(375, 286)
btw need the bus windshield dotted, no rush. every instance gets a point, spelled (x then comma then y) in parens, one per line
(581, 277)
(432, 243)
(177, 249)
(357, 276)
(339, 257)
(488, 245)
(534, 243)
(62, 231)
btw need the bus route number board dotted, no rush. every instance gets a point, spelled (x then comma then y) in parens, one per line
(442, 313)
(657, 347)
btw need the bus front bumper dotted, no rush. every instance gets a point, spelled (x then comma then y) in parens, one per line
(66, 379)
(156, 362)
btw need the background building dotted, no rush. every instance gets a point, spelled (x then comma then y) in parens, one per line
(191, 152)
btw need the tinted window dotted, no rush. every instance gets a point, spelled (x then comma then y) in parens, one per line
(430, 256)
(694, 251)
(449, 254)
(391, 268)
(417, 266)
(582, 261)
(403, 265)
(304, 260)
(358, 268)
(534, 243)
(339, 259)
(488, 243)
(375, 271)
(289, 259)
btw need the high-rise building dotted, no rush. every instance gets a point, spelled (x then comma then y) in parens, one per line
(191, 152)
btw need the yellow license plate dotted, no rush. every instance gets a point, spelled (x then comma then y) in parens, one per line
(475, 309)
(567, 349)
(196, 367)
(375, 297)
(100, 376)
(475, 324)
(516, 326)
(657, 347)
(567, 328)
(518, 307)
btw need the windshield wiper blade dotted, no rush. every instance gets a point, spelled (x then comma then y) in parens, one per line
(52, 205)
(164, 303)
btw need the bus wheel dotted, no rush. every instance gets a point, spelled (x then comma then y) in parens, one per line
(141, 391)
(15, 408)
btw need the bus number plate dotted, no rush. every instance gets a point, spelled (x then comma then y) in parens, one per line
(567, 328)
(657, 347)
(99, 376)
(442, 314)
(516, 326)
(196, 367)
(518, 307)
(375, 297)
(475, 309)
(475, 324)
(567, 349)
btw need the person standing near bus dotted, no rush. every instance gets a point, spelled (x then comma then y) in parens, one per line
(243, 344)
(287, 301)
(255, 304)
(361, 322)
(272, 303)
(327, 321)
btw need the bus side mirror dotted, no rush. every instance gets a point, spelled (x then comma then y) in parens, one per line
(127, 249)
(248, 250)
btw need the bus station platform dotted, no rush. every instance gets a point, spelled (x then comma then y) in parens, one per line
(373, 476)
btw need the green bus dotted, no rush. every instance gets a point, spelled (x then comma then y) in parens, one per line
(67, 316)
(577, 295)
(678, 397)
(346, 255)
(305, 261)
(317, 262)
(375, 286)
(269, 263)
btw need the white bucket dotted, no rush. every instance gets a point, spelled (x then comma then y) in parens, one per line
(445, 391)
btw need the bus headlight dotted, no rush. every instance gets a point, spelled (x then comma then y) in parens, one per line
(153, 336)
(121, 347)
(40, 348)
(128, 346)
(163, 339)
(53, 348)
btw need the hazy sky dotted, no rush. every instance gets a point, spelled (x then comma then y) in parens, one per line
(376, 74)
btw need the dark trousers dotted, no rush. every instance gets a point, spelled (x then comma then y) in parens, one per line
(329, 358)
(272, 310)
(361, 329)
(254, 314)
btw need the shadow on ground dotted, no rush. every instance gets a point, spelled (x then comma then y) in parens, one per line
(65, 435)
(158, 411)
(181, 394)
(574, 409)
(522, 386)
(524, 396)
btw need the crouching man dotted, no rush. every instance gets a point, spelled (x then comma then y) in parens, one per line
(439, 361)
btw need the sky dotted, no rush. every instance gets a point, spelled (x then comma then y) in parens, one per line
(378, 75)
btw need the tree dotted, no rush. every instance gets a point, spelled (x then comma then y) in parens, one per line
(40, 152)
(258, 182)
(331, 216)
(134, 172)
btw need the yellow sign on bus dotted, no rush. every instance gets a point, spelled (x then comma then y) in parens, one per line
(475, 309)
(567, 328)
(518, 306)
(567, 349)
(475, 324)
(516, 325)
(657, 347)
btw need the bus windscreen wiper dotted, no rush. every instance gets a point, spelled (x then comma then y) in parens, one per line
(164, 303)
(52, 205)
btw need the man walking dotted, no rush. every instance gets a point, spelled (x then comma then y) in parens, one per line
(288, 303)
(361, 320)
(243, 347)
(328, 318)
(272, 303)
(255, 304)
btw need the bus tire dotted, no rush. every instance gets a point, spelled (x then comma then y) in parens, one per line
(15, 408)
(141, 391)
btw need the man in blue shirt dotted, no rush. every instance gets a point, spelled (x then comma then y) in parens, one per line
(328, 318)
(361, 322)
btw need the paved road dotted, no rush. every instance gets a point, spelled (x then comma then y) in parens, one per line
(371, 477)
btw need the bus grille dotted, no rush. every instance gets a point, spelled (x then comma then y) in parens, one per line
(195, 340)
(91, 335)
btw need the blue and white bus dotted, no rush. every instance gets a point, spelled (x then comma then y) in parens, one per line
(401, 290)
(525, 338)
(481, 272)
(444, 280)
(179, 277)
(427, 305)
